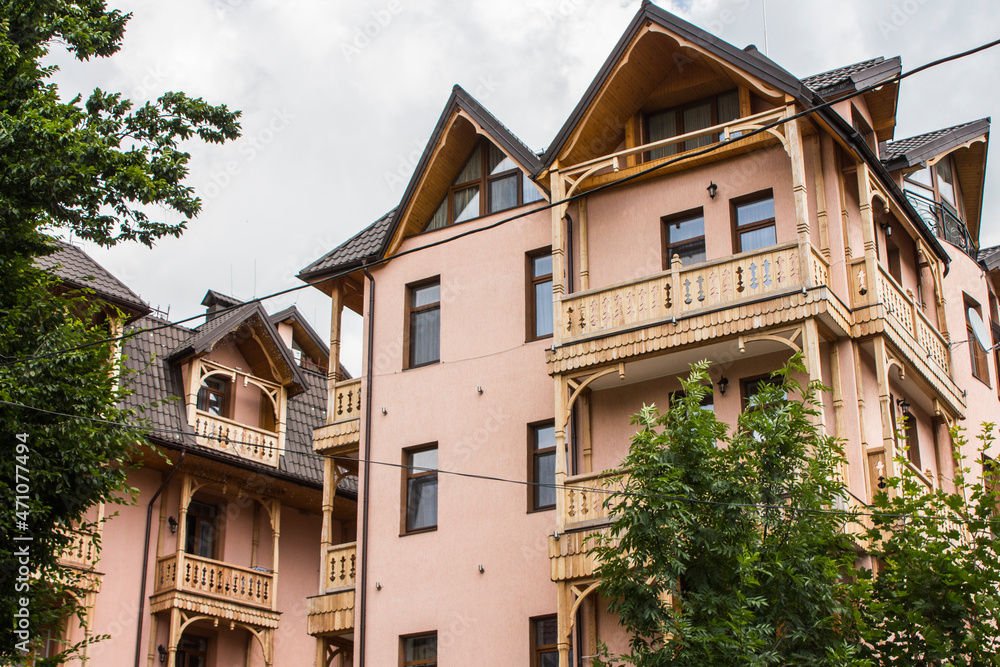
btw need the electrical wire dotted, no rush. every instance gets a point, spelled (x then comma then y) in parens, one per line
(618, 183)
(494, 478)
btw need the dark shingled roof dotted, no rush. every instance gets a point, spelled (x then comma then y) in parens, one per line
(159, 398)
(353, 252)
(990, 257)
(837, 76)
(77, 269)
(918, 148)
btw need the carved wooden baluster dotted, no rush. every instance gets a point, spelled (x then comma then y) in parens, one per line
(584, 503)
(687, 292)
(767, 273)
(187, 572)
(569, 319)
(701, 289)
(583, 319)
(753, 275)
(340, 403)
(668, 300)
(727, 284)
(354, 558)
(713, 286)
(571, 506)
(779, 273)
(739, 280)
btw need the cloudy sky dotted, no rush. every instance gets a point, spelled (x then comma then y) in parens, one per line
(339, 98)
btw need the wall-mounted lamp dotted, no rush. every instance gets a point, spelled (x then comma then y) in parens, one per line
(173, 525)
(904, 406)
(712, 189)
(162, 652)
(887, 228)
(723, 383)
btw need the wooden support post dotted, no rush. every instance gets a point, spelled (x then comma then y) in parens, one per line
(800, 194)
(810, 345)
(558, 255)
(333, 374)
(888, 428)
(860, 383)
(185, 500)
(821, 205)
(151, 656)
(585, 432)
(255, 545)
(276, 527)
(330, 479)
(174, 636)
(845, 216)
(561, 418)
(281, 414)
(563, 626)
(321, 647)
(584, 246)
(193, 385)
(868, 233)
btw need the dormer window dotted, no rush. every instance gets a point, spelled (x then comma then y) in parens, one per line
(489, 182)
(213, 396)
(691, 118)
(936, 184)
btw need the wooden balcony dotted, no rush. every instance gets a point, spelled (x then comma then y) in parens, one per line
(207, 578)
(689, 304)
(343, 434)
(226, 435)
(583, 512)
(333, 612)
(894, 312)
(81, 553)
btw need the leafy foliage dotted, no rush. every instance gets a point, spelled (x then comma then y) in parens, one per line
(95, 167)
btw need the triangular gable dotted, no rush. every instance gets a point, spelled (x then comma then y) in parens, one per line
(261, 345)
(460, 126)
(655, 46)
(881, 102)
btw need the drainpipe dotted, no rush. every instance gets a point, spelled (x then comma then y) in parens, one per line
(145, 557)
(367, 475)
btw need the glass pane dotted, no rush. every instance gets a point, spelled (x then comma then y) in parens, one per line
(549, 659)
(755, 212)
(529, 191)
(467, 204)
(546, 632)
(545, 473)
(922, 176)
(503, 193)
(545, 437)
(499, 162)
(421, 648)
(541, 266)
(946, 181)
(440, 218)
(757, 239)
(543, 309)
(425, 337)
(421, 502)
(698, 118)
(729, 107)
(427, 458)
(206, 537)
(426, 295)
(473, 169)
(688, 253)
(682, 230)
(662, 126)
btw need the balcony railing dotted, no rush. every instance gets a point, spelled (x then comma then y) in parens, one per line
(584, 499)
(247, 442)
(204, 576)
(346, 401)
(911, 319)
(81, 551)
(943, 223)
(680, 290)
(340, 566)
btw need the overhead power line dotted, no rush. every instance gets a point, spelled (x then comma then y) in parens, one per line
(704, 151)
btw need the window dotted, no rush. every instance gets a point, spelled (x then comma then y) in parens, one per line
(684, 236)
(752, 387)
(540, 294)
(420, 483)
(707, 401)
(935, 184)
(488, 183)
(192, 652)
(201, 531)
(690, 118)
(542, 462)
(213, 396)
(977, 353)
(425, 324)
(753, 224)
(905, 427)
(420, 650)
(544, 637)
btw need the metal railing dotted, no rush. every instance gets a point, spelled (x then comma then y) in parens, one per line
(943, 223)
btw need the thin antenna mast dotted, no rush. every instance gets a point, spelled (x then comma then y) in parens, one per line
(763, 10)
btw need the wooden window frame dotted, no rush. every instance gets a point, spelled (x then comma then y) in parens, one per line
(538, 649)
(752, 198)
(205, 391)
(747, 382)
(706, 401)
(957, 209)
(408, 333)
(408, 474)
(679, 121)
(533, 455)
(208, 651)
(674, 219)
(416, 663)
(484, 181)
(531, 308)
(978, 357)
(216, 521)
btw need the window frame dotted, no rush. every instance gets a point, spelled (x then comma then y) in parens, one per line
(674, 219)
(533, 455)
(206, 391)
(747, 382)
(736, 203)
(538, 650)
(978, 357)
(531, 307)
(409, 337)
(194, 519)
(712, 100)
(921, 189)
(417, 663)
(409, 474)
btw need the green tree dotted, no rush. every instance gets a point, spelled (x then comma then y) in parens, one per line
(95, 167)
(722, 551)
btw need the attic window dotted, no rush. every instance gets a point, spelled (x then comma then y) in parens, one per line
(489, 182)
(691, 118)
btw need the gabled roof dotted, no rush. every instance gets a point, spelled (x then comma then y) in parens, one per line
(78, 270)
(915, 150)
(309, 340)
(460, 102)
(356, 251)
(748, 60)
(213, 298)
(853, 77)
(205, 337)
(990, 257)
